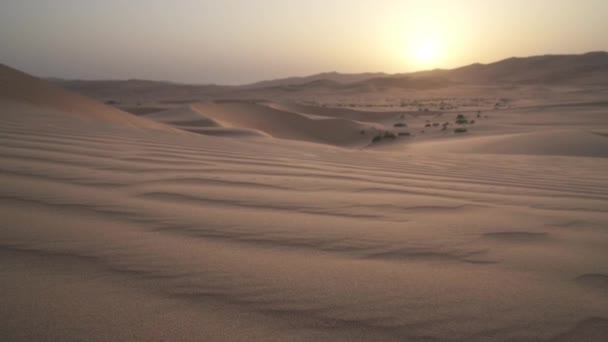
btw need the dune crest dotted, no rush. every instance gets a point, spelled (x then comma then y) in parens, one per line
(282, 221)
(18, 87)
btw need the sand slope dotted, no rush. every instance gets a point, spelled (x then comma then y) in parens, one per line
(189, 118)
(20, 88)
(342, 113)
(286, 124)
(110, 233)
(558, 142)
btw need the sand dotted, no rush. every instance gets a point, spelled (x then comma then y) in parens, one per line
(117, 227)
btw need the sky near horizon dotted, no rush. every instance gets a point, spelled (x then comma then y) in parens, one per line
(241, 41)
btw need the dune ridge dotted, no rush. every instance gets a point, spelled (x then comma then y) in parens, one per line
(20, 88)
(279, 221)
(231, 238)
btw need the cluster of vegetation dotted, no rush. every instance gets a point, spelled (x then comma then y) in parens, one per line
(461, 120)
(388, 135)
(460, 130)
(400, 124)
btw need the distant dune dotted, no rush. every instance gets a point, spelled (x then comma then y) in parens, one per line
(338, 78)
(20, 88)
(190, 118)
(558, 142)
(285, 124)
(590, 69)
(587, 69)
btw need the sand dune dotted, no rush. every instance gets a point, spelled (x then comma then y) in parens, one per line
(114, 229)
(191, 119)
(588, 71)
(121, 234)
(19, 88)
(341, 113)
(558, 142)
(286, 124)
(183, 116)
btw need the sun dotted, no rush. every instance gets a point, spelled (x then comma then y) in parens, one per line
(425, 46)
(426, 53)
(425, 43)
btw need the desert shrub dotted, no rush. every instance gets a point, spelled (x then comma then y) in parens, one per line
(404, 134)
(462, 121)
(460, 130)
(377, 138)
(400, 124)
(389, 135)
(427, 125)
(435, 124)
(460, 116)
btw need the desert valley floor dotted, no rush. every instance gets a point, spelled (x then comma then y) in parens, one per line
(280, 221)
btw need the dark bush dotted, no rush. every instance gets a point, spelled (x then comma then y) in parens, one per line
(389, 135)
(435, 124)
(400, 124)
(404, 134)
(460, 130)
(377, 138)
(462, 121)
(427, 125)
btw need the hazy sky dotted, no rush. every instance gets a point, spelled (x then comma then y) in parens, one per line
(238, 41)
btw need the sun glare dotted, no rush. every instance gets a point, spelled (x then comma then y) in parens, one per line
(425, 45)
(425, 53)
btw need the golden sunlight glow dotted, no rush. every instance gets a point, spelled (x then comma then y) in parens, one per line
(425, 53)
(426, 41)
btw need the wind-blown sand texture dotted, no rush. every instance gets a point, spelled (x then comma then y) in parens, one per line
(117, 227)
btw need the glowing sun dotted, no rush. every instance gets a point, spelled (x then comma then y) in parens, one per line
(426, 53)
(426, 45)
